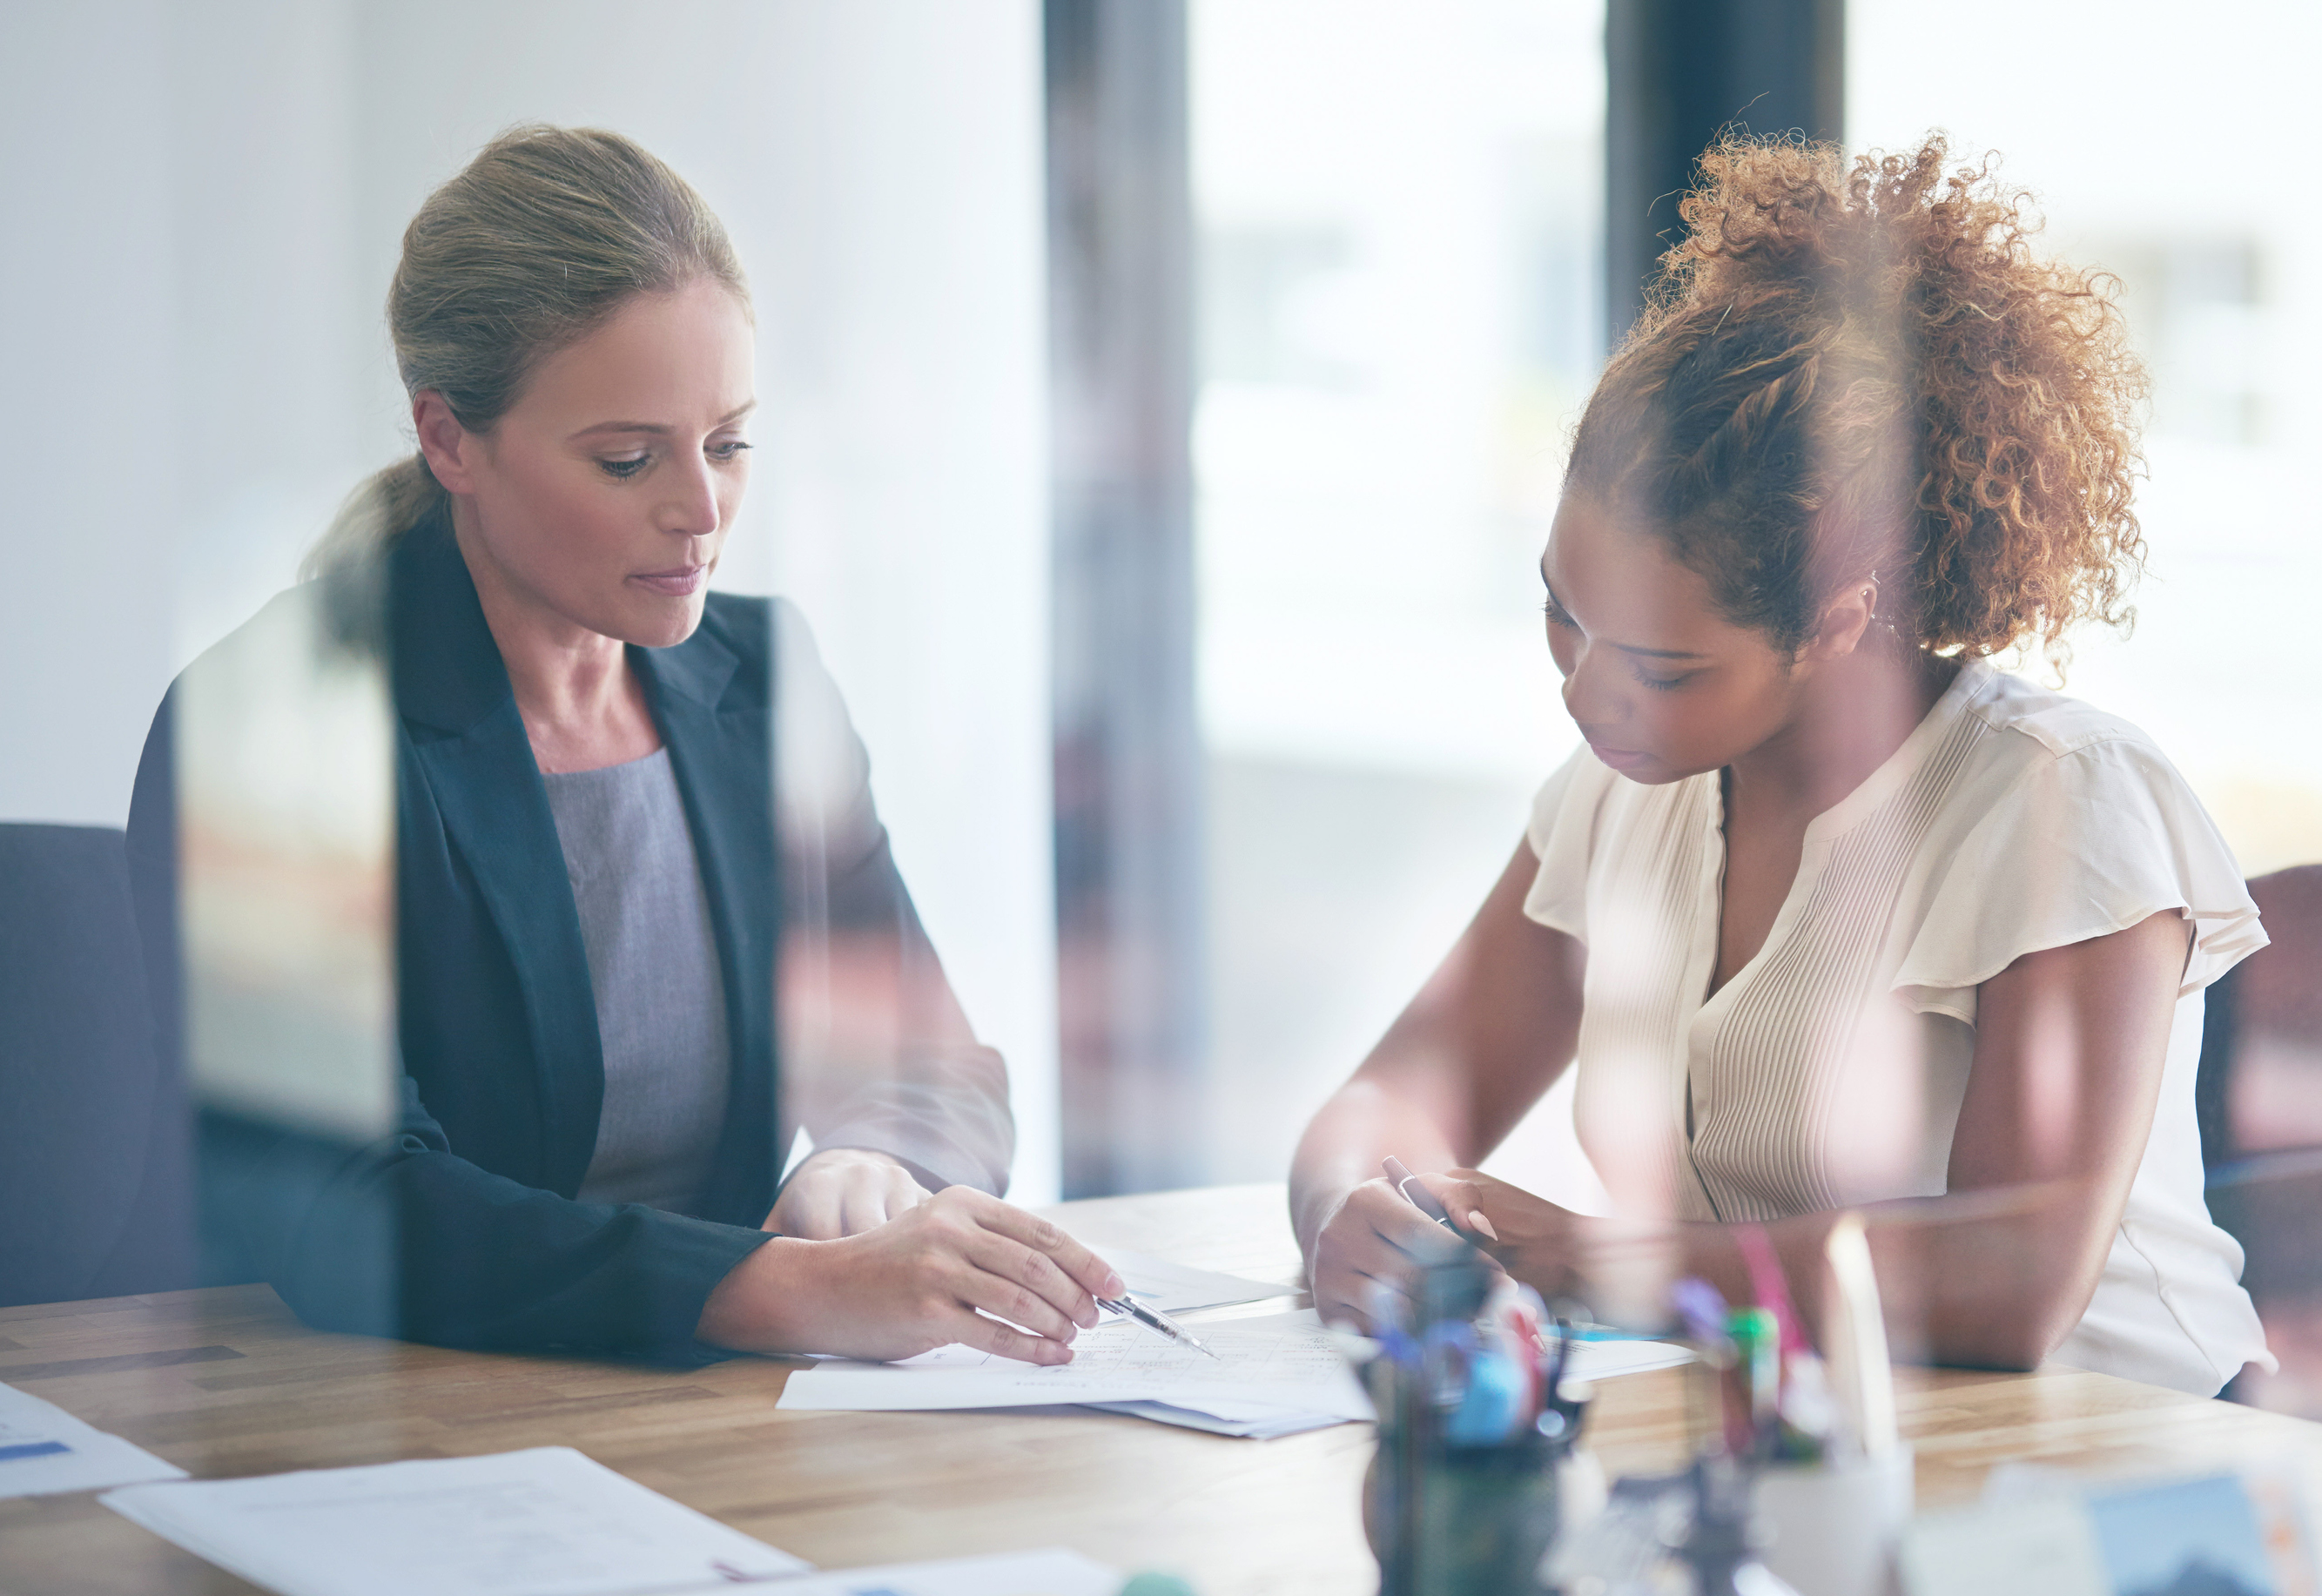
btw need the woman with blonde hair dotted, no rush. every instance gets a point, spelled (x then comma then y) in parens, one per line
(1831, 914)
(595, 869)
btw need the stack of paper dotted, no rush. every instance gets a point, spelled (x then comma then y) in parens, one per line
(44, 1450)
(1274, 1375)
(1259, 1421)
(1270, 1375)
(1180, 1288)
(1177, 1289)
(1249, 1421)
(547, 1522)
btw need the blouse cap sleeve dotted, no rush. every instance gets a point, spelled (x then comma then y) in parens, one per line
(1562, 834)
(2078, 845)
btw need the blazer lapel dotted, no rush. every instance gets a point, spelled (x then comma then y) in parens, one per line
(717, 727)
(468, 740)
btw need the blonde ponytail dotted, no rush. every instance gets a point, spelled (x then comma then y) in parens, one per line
(384, 505)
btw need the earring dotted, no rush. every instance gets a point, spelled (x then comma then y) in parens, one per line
(1889, 626)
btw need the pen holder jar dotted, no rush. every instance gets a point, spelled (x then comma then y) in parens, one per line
(1462, 1496)
(1465, 1521)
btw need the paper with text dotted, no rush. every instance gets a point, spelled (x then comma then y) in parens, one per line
(45, 1451)
(1179, 1288)
(542, 1522)
(1280, 1360)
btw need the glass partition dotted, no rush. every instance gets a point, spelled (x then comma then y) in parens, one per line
(1399, 281)
(2155, 150)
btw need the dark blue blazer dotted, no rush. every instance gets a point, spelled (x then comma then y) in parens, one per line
(503, 1079)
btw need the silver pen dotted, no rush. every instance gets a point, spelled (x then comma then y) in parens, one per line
(1416, 1194)
(1155, 1320)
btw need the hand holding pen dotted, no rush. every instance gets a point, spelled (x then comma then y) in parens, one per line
(1374, 1237)
(1478, 1229)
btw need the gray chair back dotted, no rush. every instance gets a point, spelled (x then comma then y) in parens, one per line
(95, 1171)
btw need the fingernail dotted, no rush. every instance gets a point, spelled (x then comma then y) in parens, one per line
(1114, 1286)
(1476, 1221)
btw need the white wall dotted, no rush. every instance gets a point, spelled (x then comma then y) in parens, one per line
(88, 402)
(1400, 206)
(211, 200)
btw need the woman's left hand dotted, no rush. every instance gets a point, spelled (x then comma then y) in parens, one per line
(1537, 1239)
(844, 1191)
(1620, 1268)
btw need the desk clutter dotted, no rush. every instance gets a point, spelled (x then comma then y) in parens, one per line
(1256, 1378)
(547, 1521)
(1800, 1484)
(2247, 1532)
(1277, 1373)
(544, 1522)
(1481, 1479)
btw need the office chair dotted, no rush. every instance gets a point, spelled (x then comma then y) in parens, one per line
(2261, 1089)
(2260, 1094)
(95, 1171)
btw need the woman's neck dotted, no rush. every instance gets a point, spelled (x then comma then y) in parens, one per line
(583, 708)
(1852, 716)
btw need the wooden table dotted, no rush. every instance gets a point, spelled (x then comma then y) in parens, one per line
(226, 1382)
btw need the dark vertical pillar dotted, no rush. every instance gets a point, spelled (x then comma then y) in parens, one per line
(1678, 72)
(1128, 752)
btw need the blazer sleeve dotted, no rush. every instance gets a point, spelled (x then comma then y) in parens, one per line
(877, 1052)
(399, 1235)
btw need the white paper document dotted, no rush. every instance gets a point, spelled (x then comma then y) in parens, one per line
(1261, 1421)
(1053, 1573)
(1279, 1361)
(1608, 1360)
(1247, 1421)
(1177, 1289)
(45, 1451)
(544, 1522)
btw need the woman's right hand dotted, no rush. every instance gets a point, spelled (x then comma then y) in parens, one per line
(1374, 1234)
(916, 1283)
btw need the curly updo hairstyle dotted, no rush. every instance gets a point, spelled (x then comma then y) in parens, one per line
(1858, 368)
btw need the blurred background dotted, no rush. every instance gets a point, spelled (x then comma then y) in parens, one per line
(1164, 405)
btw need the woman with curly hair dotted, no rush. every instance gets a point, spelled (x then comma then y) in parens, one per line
(1832, 914)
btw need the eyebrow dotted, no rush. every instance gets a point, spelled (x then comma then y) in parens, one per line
(655, 429)
(1625, 647)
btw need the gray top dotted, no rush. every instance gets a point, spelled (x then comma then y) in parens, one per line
(653, 966)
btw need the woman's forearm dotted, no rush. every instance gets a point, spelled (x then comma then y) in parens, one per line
(1363, 1123)
(1471, 1053)
(1981, 1280)
(1994, 1278)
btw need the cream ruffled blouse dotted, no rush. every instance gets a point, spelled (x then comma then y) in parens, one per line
(1830, 1069)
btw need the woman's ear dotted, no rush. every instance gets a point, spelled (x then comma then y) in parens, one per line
(449, 446)
(1850, 613)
